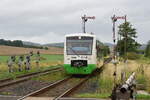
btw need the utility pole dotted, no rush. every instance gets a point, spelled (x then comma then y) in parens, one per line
(85, 19)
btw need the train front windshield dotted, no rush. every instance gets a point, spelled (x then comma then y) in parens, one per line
(79, 45)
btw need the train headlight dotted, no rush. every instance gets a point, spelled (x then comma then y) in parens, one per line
(79, 37)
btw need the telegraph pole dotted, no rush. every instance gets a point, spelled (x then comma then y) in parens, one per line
(85, 19)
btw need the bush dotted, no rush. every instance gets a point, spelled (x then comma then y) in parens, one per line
(46, 48)
(132, 55)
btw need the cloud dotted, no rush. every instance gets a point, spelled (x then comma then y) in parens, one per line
(42, 21)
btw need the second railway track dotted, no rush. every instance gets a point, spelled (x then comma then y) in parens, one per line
(10, 81)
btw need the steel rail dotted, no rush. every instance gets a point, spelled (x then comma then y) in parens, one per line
(72, 89)
(67, 92)
(47, 88)
(44, 88)
(26, 77)
(8, 79)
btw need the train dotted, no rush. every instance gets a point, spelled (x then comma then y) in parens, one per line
(80, 53)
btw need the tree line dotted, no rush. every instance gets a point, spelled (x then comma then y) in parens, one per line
(19, 43)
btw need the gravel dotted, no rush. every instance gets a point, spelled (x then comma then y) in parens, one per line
(56, 91)
(23, 88)
(26, 87)
(90, 86)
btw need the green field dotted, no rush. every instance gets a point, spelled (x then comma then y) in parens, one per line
(46, 62)
(3, 59)
(51, 58)
(46, 58)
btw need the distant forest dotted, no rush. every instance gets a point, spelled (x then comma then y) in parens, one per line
(18, 43)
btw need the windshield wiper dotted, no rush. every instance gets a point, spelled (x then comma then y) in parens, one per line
(74, 52)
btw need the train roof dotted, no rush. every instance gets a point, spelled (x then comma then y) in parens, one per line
(80, 34)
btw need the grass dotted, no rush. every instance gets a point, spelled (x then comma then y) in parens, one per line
(143, 75)
(95, 95)
(46, 62)
(44, 58)
(106, 79)
(105, 83)
(144, 60)
(13, 75)
(3, 59)
(52, 58)
(51, 77)
(142, 68)
(106, 95)
(141, 79)
(142, 96)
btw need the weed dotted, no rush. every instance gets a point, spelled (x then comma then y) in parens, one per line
(95, 95)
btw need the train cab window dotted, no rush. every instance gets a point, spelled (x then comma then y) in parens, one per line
(79, 46)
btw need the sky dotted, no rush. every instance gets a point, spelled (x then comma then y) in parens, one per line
(48, 21)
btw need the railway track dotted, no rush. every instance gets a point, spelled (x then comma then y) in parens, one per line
(22, 78)
(106, 61)
(67, 85)
(59, 89)
(62, 88)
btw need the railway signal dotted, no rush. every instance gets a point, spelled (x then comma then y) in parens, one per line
(114, 19)
(85, 19)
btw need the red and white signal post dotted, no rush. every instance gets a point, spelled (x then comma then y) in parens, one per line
(114, 19)
(85, 19)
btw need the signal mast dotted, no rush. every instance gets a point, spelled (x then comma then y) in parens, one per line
(114, 19)
(85, 19)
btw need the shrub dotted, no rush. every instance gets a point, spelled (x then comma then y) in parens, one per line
(46, 48)
(132, 55)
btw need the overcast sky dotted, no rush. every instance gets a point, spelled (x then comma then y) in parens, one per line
(47, 21)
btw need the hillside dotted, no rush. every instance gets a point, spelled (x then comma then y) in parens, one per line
(9, 50)
(31, 43)
(61, 44)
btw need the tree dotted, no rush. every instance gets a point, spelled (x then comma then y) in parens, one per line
(102, 50)
(128, 34)
(147, 50)
(17, 43)
(46, 48)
